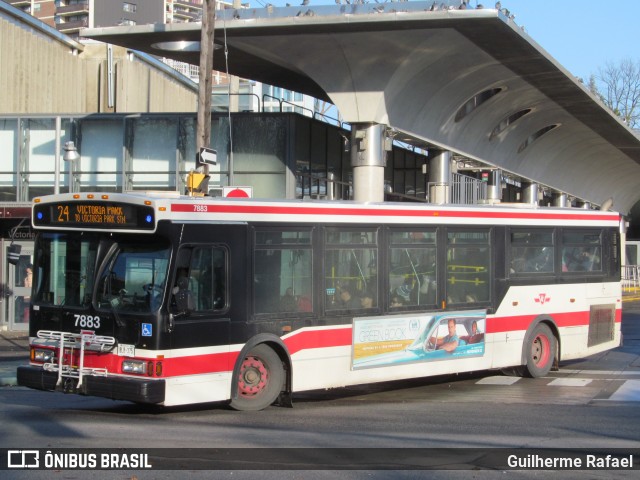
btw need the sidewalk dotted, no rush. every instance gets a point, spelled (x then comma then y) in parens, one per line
(14, 351)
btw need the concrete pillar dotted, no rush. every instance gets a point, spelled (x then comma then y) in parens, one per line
(530, 193)
(560, 199)
(234, 90)
(368, 159)
(439, 176)
(331, 186)
(494, 187)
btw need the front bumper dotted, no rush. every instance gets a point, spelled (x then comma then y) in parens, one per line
(138, 390)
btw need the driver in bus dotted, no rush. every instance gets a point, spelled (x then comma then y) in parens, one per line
(449, 342)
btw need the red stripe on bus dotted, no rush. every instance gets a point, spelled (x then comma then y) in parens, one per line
(522, 322)
(339, 337)
(291, 210)
(342, 337)
(198, 364)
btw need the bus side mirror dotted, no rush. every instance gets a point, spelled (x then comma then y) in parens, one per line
(13, 254)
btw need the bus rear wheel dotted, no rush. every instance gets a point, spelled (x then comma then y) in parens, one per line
(540, 351)
(260, 379)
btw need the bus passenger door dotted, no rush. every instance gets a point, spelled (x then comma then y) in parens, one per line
(201, 297)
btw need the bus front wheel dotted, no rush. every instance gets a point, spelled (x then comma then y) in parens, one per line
(260, 379)
(540, 351)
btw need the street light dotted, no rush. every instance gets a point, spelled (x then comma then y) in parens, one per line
(70, 155)
(70, 152)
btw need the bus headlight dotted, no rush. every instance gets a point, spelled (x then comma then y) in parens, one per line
(43, 355)
(138, 367)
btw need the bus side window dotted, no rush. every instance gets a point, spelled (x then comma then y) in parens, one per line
(412, 268)
(582, 251)
(203, 277)
(532, 251)
(283, 281)
(351, 269)
(468, 266)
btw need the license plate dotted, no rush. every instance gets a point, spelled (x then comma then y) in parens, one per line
(125, 350)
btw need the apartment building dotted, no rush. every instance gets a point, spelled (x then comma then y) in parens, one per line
(69, 16)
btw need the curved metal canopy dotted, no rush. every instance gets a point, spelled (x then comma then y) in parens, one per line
(470, 81)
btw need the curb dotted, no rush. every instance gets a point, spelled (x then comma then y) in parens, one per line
(7, 381)
(8, 366)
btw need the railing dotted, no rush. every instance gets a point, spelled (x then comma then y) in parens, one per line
(219, 106)
(75, 9)
(463, 190)
(630, 279)
(75, 25)
(313, 186)
(467, 190)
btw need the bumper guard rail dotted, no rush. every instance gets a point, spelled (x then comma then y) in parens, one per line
(75, 341)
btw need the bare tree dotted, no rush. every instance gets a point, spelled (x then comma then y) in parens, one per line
(618, 85)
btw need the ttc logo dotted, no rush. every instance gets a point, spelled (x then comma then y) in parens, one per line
(23, 459)
(542, 298)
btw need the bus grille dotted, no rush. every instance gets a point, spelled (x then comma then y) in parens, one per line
(601, 324)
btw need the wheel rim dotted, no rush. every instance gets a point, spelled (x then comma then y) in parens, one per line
(254, 377)
(540, 350)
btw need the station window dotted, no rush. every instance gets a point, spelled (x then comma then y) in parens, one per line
(510, 120)
(475, 101)
(535, 136)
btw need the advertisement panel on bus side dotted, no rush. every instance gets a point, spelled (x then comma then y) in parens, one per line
(401, 339)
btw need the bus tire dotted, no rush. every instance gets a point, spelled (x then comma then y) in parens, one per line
(540, 351)
(260, 379)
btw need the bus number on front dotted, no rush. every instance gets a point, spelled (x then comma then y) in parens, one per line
(199, 208)
(63, 213)
(87, 321)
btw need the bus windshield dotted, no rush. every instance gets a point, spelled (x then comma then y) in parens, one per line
(66, 269)
(134, 277)
(131, 274)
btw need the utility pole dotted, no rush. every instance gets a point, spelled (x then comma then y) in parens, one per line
(203, 129)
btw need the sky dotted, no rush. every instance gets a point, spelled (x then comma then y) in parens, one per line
(582, 35)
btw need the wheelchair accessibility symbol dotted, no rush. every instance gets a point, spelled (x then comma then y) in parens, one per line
(146, 329)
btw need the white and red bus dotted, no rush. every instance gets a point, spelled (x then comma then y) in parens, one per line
(171, 300)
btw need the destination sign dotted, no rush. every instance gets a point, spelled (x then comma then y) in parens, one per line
(96, 214)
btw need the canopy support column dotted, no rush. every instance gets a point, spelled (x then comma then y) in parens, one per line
(368, 159)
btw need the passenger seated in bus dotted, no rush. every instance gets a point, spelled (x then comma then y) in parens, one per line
(366, 300)
(347, 299)
(288, 302)
(589, 261)
(424, 292)
(540, 260)
(304, 304)
(396, 301)
(404, 292)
